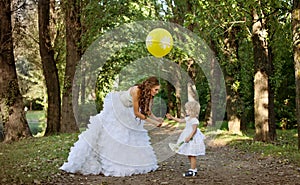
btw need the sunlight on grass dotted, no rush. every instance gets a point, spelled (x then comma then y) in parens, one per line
(285, 147)
(222, 137)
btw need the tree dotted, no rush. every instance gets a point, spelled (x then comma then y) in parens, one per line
(261, 77)
(296, 48)
(28, 62)
(11, 102)
(231, 76)
(49, 68)
(268, 20)
(73, 33)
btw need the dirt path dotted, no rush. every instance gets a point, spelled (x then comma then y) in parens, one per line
(220, 165)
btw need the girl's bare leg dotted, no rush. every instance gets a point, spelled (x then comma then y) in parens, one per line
(193, 162)
(193, 170)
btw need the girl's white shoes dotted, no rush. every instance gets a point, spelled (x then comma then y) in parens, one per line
(190, 173)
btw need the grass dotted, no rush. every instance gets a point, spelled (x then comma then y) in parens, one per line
(34, 160)
(37, 123)
(35, 115)
(285, 147)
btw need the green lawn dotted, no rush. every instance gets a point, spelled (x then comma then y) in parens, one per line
(34, 160)
(37, 159)
(36, 121)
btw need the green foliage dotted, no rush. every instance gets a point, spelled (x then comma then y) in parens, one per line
(101, 17)
(224, 125)
(111, 69)
(86, 110)
(210, 20)
(31, 83)
(28, 64)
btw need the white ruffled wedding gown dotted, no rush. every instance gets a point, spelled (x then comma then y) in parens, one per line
(115, 142)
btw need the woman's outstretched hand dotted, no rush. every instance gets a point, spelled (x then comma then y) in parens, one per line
(154, 122)
(161, 121)
(160, 124)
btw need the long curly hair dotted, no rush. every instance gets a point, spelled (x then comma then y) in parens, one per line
(145, 97)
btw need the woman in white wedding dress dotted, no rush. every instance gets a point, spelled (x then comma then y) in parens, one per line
(115, 142)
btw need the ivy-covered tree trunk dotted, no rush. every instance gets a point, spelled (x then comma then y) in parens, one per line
(49, 68)
(296, 48)
(233, 99)
(261, 78)
(73, 33)
(12, 111)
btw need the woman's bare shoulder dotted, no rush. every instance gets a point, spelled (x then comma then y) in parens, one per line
(134, 90)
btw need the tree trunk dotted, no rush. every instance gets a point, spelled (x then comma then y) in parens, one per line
(296, 48)
(73, 32)
(261, 78)
(272, 122)
(49, 68)
(215, 119)
(12, 111)
(208, 115)
(179, 6)
(233, 105)
(170, 90)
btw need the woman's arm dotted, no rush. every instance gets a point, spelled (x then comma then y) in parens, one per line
(159, 119)
(135, 102)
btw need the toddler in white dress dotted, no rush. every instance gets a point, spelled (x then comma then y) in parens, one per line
(191, 140)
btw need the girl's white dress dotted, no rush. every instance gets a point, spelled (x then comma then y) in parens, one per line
(115, 142)
(195, 146)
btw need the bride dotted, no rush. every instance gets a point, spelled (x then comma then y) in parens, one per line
(115, 142)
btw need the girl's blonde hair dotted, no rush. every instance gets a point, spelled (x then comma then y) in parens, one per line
(193, 107)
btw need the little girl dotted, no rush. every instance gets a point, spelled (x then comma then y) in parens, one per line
(191, 140)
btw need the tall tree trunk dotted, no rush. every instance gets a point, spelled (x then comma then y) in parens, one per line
(12, 111)
(272, 122)
(233, 99)
(296, 47)
(212, 106)
(49, 68)
(208, 115)
(73, 32)
(261, 78)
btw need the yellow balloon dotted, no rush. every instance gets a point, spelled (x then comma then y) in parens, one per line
(159, 42)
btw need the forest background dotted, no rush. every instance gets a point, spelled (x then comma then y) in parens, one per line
(256, 44)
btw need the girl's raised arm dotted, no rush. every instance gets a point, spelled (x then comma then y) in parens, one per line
(169, 116)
